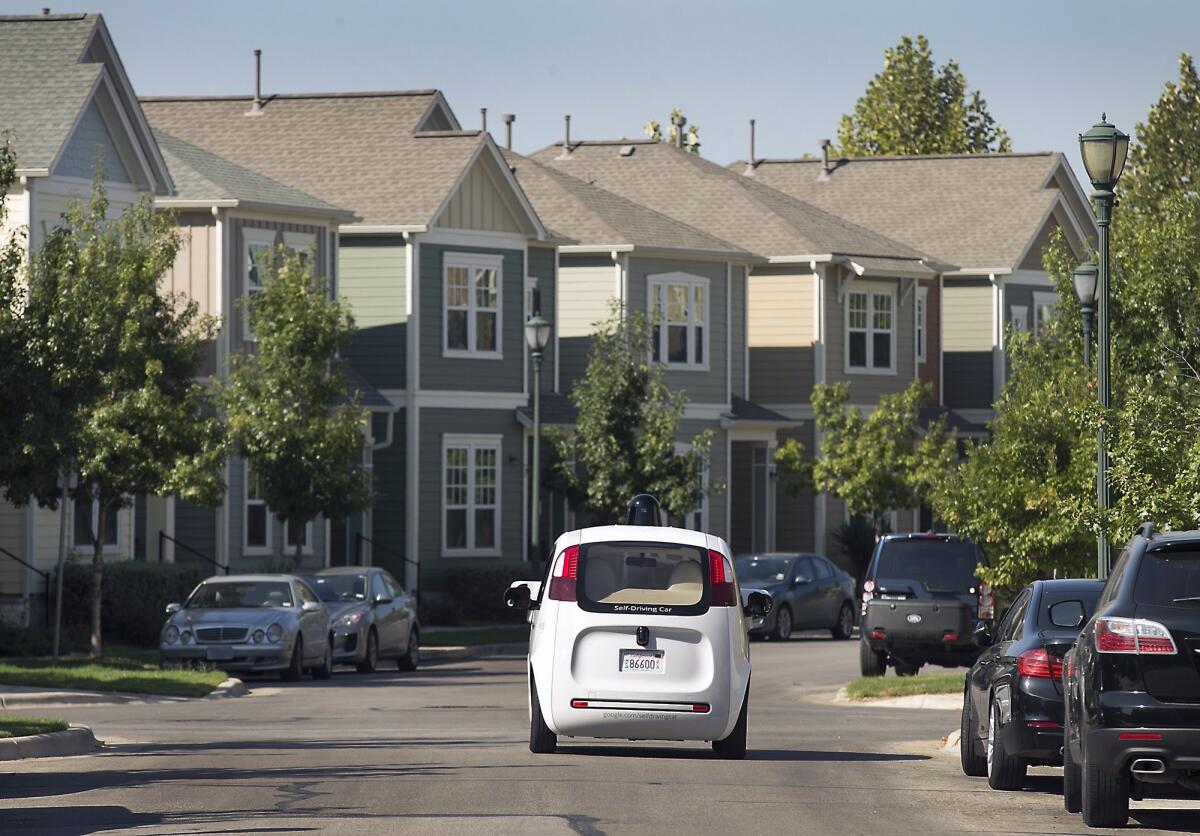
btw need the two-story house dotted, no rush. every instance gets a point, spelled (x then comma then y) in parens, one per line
(66, 105)
(437, 267)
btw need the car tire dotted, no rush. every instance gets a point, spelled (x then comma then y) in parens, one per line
(843, 628)
(412, 655)
(325, 669)
(371, 657)
(1072, 775)
(970, 752)
(870, 661)
(295, 669)
(908, 668)
(1004, 771)
(542, 741)
(783, 624)
(1104, 798)
(733, 747)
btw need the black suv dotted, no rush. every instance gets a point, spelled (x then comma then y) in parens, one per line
(1132, 683)
(921, 603)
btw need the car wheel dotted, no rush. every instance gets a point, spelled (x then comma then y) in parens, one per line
(1004, 772)
(870, 662)
(1072, 775)
(371, 657)
(970, 752)
(844, 627)
(908, 668)
(295, 669)
(1105, 795)
(783, 624)
(542, 741)
(325, 669)
(733, 748)
(412, 656)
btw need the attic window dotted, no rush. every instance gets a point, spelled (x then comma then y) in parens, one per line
(627, 150)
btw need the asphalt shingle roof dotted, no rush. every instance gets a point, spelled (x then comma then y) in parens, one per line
(202, 176)
(353, 150)
(976, 211)
(704, 195)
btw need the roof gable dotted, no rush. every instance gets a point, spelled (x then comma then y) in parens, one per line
(486, 198)
(90, 137)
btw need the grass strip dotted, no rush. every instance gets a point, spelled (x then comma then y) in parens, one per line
(124, 675)
(25, 726)
(471, 636)
(869, 687)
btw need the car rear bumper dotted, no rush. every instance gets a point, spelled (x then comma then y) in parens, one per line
(1032, 718)
(927, 649)
(250, 658)
(1178, 749)
(660, 717)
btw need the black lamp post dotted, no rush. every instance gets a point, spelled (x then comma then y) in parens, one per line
(537, 335)
(1085, 276)
(1104, 150)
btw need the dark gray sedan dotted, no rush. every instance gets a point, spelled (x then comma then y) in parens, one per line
(809, 591)
(373, 617)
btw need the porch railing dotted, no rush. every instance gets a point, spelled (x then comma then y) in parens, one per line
(163, 537)
(45, 577)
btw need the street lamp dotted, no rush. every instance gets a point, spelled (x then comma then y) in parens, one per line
(1104, 150)
(537, 335)
(1085, 276)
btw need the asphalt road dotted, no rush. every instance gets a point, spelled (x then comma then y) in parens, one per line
(444, 750)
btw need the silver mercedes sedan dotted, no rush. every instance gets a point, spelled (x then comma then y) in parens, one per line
(253, 624)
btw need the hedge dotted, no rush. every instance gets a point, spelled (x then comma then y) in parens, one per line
(471, 594)
(134, 600)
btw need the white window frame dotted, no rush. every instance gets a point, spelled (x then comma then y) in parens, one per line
(251, 236)
(1040, 299)
(472, 262)
(473, 443)
(1019, 317)
(304, 243)
(870, 291)
(921, 312)
(107, 548)
(656, 288)
(270, 526)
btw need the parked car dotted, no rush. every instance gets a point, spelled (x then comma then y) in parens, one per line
(922, 600)
(373, 617)
(251, 623)
(1132, 683)
(808, 591)
(1013, 700)
(639, 634)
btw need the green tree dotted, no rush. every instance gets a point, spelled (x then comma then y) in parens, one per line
(1165, 160)
(624, 442)
(285, 402)
(691, 139)
(915, 107)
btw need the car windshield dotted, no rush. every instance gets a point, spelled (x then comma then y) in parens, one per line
(770, 569)
(224, 595)
(334, 589)
(941, 565)
(1169, 579)
(648, 574)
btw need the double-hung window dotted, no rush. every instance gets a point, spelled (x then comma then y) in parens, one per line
(303, 244)
(471, 494)
(472, 297)
(870, 331)
(258, 254)
(1043, 309)
(922, 321)
(256, 521)
(679, 313)
(301, 533)
(85, 518)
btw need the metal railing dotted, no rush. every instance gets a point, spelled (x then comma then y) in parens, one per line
(163, 537)
(360, 538)
(45, 577)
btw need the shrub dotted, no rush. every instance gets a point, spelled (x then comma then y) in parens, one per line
(25, 641)
(472, 594)
(135, 596)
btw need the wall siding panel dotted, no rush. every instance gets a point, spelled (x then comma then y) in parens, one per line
(91, 137)
(866, 389)
(371, 275)
(737, 321)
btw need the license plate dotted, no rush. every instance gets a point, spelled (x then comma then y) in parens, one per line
(218, 654)
(643, 661)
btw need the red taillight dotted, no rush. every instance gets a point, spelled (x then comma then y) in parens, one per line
(878, 634)
(566, 572)
(949, 636)
(1139, 736)
(720, 582)
(1039, 664)
(1043, 724)
(987, 603)
(700, 708)
(579, 704)
(1133, 635)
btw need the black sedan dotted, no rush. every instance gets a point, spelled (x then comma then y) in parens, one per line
(810, 593)
(1013, 705)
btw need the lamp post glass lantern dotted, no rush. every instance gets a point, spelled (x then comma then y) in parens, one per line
(537, 336)
(1104, 150)
(1085, 277)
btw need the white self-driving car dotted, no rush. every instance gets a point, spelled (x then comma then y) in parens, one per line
(638, 633)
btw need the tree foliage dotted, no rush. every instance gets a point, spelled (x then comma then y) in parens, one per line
(915, 107)
(286, 404)
(691, 139)
(1165, 160)
(625, 437)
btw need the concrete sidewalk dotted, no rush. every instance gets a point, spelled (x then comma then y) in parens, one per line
(19, 696)
(437, 655)
(938, 702)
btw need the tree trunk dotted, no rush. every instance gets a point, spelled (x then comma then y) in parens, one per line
(297, 558)
(97, 649)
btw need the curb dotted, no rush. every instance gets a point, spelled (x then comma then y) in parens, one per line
(937, 702)
(228, 689)
(479, 651)
(951, 747)
(32, 699)
(77, 740)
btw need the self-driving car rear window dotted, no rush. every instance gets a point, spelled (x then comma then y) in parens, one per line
(941, 565)
(657, 578)
(1169, 578)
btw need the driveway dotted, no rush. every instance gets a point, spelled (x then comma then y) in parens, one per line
(444, 751)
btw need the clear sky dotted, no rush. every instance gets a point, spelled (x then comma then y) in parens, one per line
(1046, 67)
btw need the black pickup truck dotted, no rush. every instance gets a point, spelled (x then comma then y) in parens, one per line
(922, 601)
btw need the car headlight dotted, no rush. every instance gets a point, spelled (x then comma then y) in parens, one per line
(171, 634)
(185, 637)
(275, 633)
(258, 636)
(351, 619)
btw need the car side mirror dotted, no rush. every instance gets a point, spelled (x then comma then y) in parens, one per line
(173, 608)
(1067, 614)
(800, 580)
(983, 635)
(310, 606)
(381, 598)
(758, 605)
(519, 596)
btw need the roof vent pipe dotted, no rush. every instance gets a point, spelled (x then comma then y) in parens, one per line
(750, 161)
(45, 10)
(566, 152)
(508, 119)
(483, 120)
(678, 120)
(257, 107)
(826, 168)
